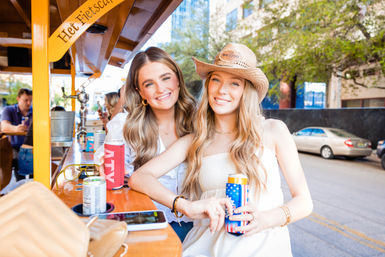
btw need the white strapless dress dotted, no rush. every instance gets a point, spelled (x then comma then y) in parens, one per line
(273, 242)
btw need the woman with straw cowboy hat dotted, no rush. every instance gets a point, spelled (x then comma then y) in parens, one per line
(232, 137)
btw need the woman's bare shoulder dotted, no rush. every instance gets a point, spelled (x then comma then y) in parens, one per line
(275, 132)
(274, 126)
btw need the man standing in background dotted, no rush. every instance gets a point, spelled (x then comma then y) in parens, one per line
(16, 118)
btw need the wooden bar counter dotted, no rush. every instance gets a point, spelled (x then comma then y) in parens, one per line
(163, 242)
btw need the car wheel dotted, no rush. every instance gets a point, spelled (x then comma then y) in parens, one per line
(326, 152)
(383, 161)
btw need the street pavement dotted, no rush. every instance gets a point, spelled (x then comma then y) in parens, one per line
(349, 209)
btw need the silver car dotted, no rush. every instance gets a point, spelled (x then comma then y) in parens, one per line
(330, 142)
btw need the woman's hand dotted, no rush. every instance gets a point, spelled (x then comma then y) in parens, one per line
(211, 208)
(256, 219)
(103, 116)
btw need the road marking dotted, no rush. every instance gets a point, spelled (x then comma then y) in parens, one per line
(345, 230)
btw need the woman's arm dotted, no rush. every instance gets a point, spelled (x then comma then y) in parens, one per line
(301, 204)
(145, 180)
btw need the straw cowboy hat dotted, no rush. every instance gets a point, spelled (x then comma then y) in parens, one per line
(238, 60)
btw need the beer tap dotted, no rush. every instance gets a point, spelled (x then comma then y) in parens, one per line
(83, 98)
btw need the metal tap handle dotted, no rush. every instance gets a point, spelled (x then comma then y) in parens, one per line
(68, 96)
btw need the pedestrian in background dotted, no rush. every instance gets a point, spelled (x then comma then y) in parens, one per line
(16, 118)
(110, 103)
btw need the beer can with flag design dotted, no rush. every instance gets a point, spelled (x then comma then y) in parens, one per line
(237, 190)
(114, 163)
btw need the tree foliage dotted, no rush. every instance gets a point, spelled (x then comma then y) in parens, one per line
(13, 85)
(59, 100)
(308, 40)
(195, 39)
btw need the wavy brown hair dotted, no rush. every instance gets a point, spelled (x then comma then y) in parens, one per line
(141, 129)
(248, 140)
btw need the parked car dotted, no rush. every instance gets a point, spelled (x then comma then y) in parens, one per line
(381, 152)
(330, 142)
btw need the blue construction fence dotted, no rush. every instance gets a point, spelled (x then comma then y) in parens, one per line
(309, 95)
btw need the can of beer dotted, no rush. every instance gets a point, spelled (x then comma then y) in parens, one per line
(25, 121)
(99, 137)
(90, 142)
(114, 163)
(94, 195)
(237, 190)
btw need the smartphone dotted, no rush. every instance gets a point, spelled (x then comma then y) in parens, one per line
(139, 220)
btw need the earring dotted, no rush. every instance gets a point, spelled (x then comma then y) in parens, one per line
(144, 102)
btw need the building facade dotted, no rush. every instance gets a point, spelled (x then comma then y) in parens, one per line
(186, 11)
(244, 18)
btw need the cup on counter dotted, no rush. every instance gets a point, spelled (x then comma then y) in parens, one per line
(99, 137)
(114, 163)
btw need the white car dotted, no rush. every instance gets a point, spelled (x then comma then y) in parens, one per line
(330, 142)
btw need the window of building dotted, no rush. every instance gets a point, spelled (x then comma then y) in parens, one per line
(369, 72)
(370, 102)
(248, 8)
(374, 102)
(231, 20)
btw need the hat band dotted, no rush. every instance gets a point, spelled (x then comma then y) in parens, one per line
(231, 64)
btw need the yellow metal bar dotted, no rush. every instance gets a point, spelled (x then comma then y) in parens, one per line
(74, 26)
(82, 168)
(73, 92)
(40, 83)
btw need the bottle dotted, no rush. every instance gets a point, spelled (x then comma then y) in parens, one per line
(100, 108)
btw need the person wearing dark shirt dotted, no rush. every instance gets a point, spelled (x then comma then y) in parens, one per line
(25, 156)
(16, 118)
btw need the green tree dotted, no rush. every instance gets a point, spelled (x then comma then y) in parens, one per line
(195, 39)
(13, 85)
(59, 100)
(309, 40)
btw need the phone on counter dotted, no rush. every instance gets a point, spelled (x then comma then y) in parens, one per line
(139, 220)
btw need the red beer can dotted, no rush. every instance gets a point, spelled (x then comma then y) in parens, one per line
(114, 163)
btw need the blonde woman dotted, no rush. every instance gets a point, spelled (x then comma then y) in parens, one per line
(232, 137)
(110, 102)
(161, 110)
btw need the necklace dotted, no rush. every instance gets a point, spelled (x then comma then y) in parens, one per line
(225, 132)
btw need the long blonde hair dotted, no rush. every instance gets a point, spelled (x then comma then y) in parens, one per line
(111, 99)
(248, 140)
(141, 129)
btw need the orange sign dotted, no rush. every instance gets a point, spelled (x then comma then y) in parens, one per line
(72, 28)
